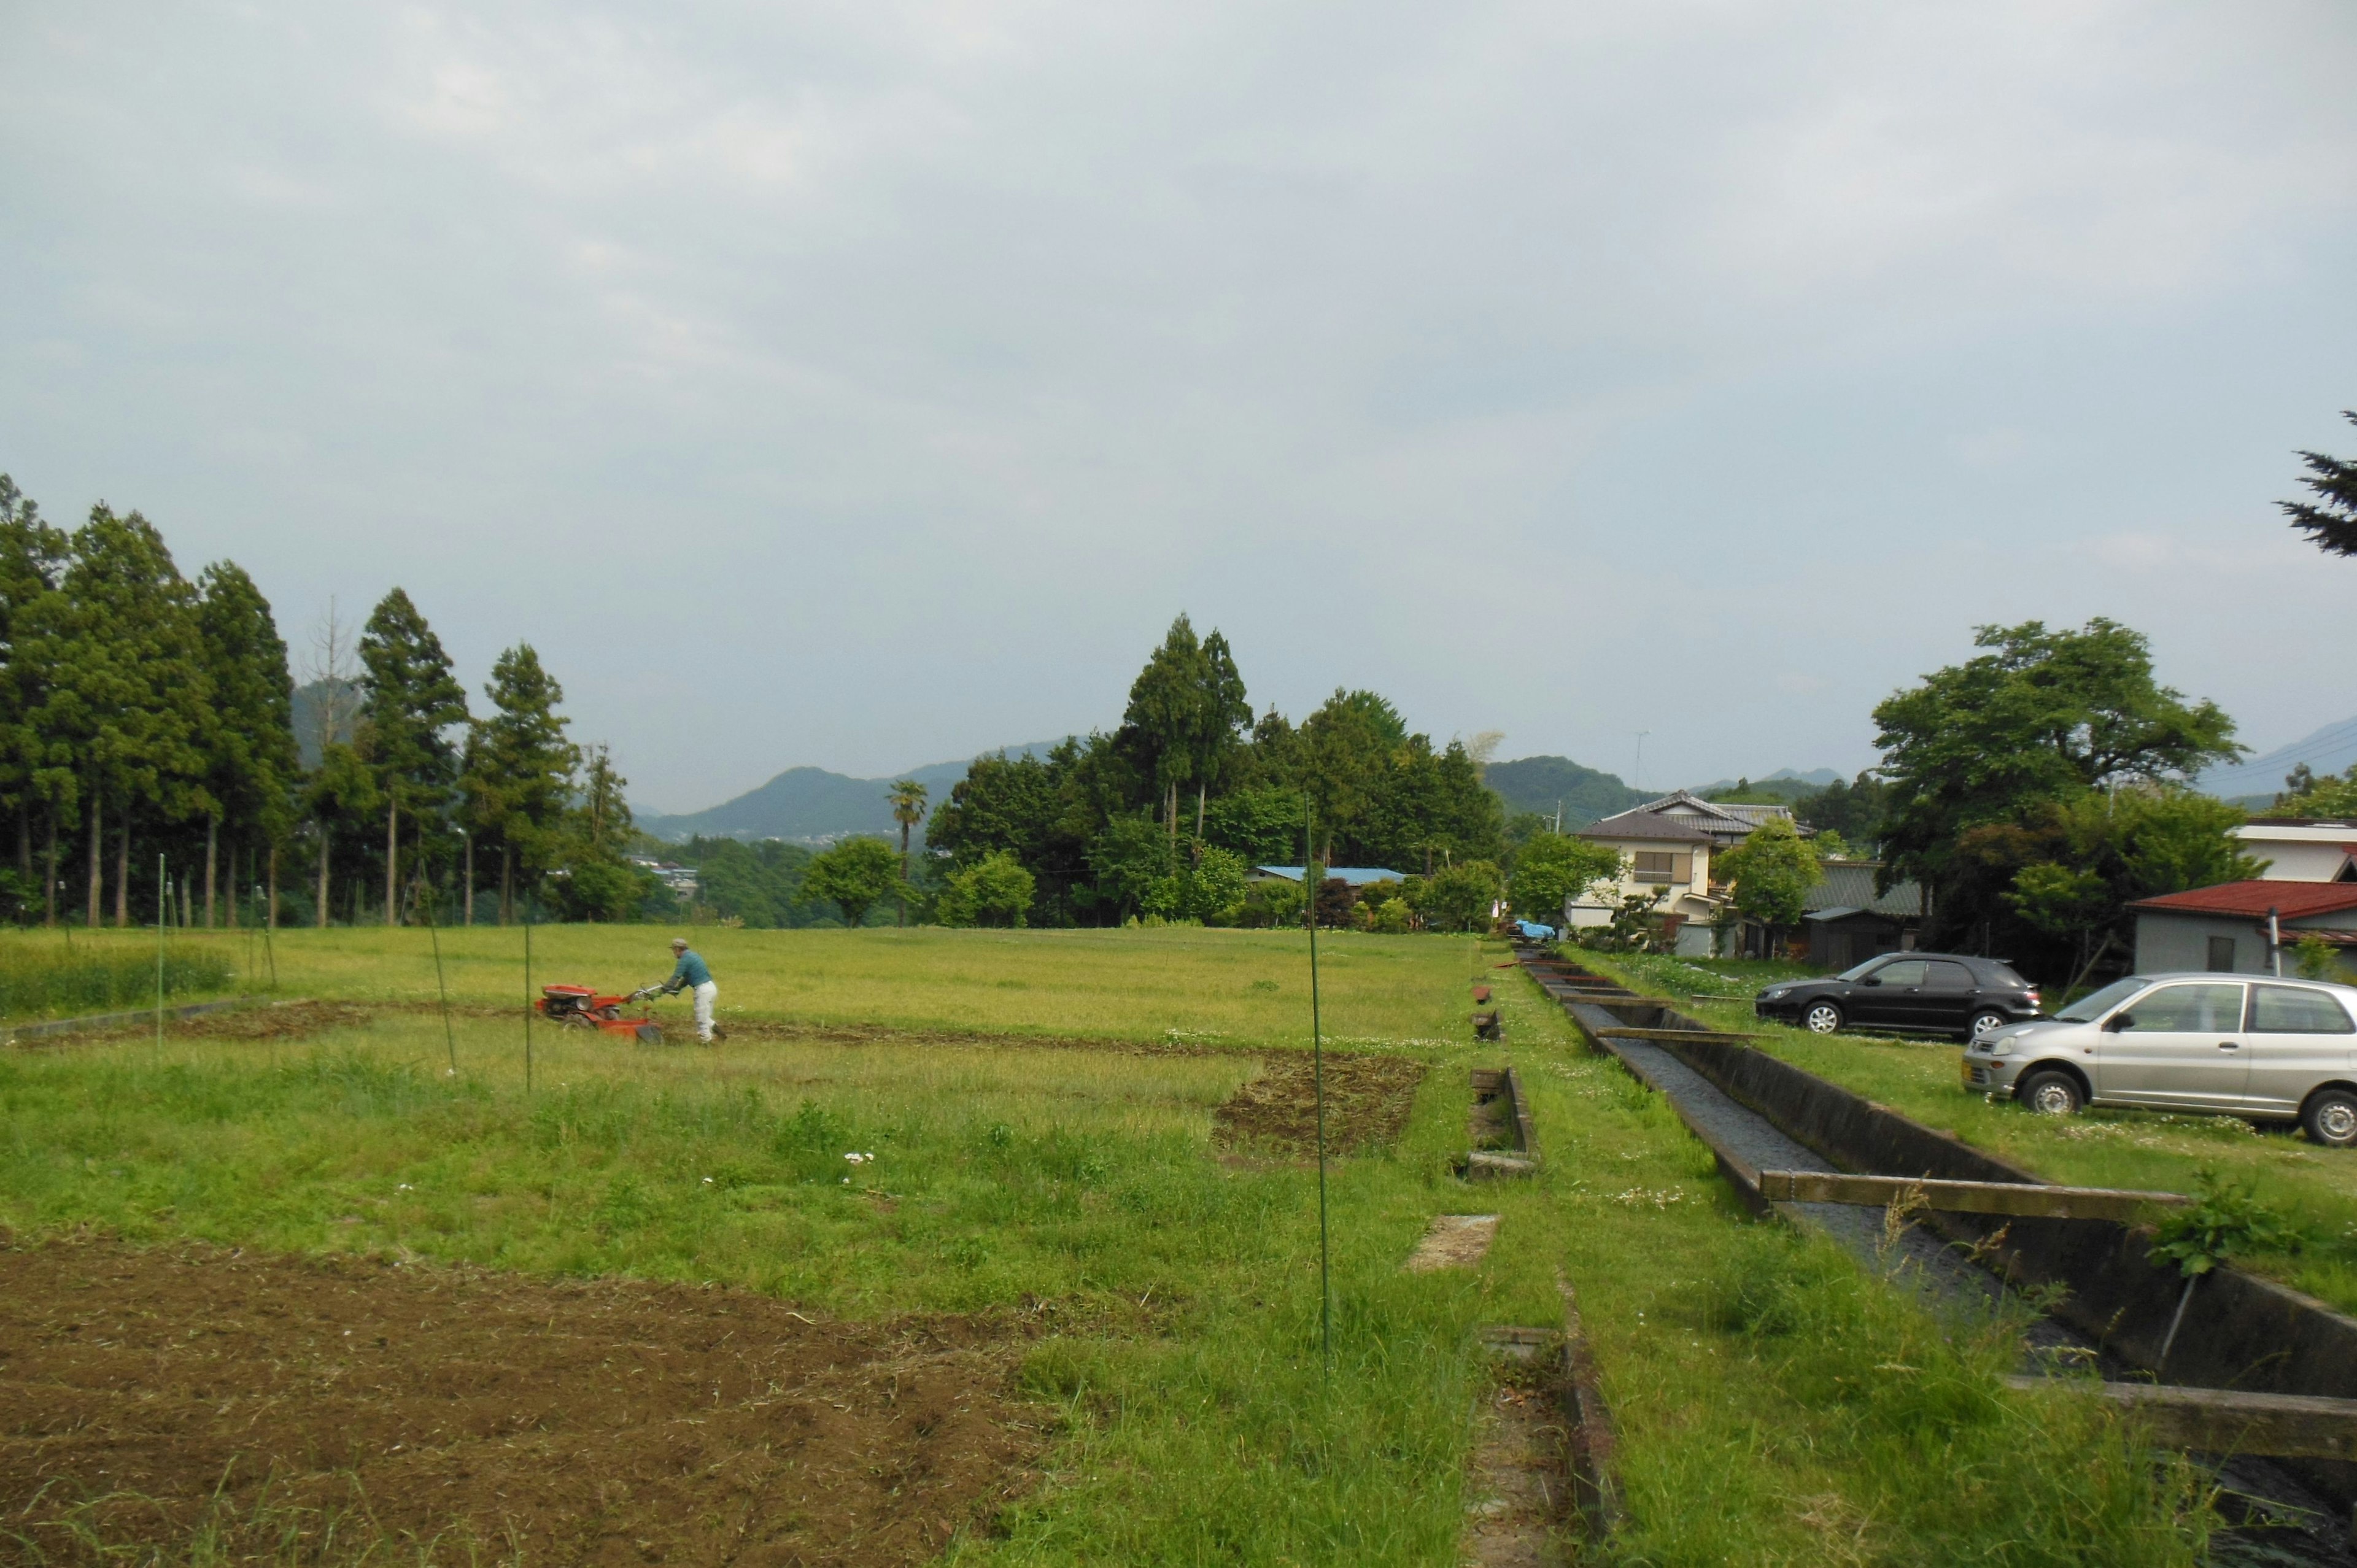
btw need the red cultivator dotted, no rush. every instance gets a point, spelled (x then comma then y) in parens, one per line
(579, 1007)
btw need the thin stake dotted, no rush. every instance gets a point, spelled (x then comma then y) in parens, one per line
(163, 898)
(527, 999)
(1317, 1078)
(269, 942)
(434, 928)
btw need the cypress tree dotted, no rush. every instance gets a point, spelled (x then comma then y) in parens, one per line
(2331, 526)
(519, 770)
(32, 561)
(254, 764)
(409, 704)
(130, 700)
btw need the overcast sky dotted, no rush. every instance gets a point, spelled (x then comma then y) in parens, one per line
(864, 384)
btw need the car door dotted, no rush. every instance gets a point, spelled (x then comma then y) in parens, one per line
(2176, 1045)
(1885, 996)
(1944, 1000)
(2296, 1038)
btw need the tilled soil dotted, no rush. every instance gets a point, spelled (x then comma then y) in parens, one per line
(1368, 1099)
(145, 1395)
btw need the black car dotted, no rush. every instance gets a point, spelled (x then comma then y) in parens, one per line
(1930, 992)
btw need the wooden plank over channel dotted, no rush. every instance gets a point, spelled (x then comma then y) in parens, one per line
(1674, 1035)
(2018, 1199)
(2223, 1420)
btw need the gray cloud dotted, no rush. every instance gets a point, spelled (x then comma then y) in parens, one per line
(862, 385)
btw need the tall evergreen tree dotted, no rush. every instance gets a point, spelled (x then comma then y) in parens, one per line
(255, 765)
(33, 777)
(410, 704)
(2330, 520)
(130, 701)
(520, 771)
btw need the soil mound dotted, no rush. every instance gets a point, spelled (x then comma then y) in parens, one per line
(1368, 1099)
(148, 1396)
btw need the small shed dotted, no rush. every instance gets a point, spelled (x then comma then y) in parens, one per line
(2225, 929)
(1849, 921)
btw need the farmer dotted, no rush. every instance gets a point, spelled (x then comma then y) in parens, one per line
(692, 972)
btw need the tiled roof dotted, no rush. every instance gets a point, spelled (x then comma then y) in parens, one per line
(2291, 900)
(1849, 884)
(1646, 825)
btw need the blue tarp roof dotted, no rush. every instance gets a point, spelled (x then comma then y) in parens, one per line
(1356, 875)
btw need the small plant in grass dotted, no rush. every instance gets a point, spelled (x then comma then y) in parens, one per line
(2226, 1218)
(2314, 958)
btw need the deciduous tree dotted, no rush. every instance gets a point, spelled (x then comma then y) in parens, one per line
(1553, 868)
(2042, 717)
(854, 875)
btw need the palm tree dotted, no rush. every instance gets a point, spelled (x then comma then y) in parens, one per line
(908, 799)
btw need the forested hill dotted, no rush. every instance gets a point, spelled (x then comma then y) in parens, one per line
(1538, 783)
(811, 804)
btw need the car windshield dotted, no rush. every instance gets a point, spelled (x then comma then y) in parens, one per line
(1856, 969)
(2095, 1004)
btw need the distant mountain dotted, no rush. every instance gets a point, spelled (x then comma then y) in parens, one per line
(309, 703)
(2332, 749)
(1542, 784)
(1785, 784)
(814, 806)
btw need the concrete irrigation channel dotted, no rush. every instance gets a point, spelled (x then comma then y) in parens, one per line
(2261, 1380)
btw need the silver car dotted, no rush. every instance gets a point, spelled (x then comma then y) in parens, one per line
(2249, 1046)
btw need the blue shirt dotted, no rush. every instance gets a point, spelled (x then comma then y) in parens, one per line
(691, 971)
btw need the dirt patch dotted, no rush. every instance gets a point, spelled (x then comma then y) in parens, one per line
(281, 1021)
(1368, 1099)
(1517, 1487)
(1453, 1242)
(592, 1423)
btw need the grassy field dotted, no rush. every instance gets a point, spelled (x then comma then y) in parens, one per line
(1777, 1405)
(1212, 985)
(2314, 1189)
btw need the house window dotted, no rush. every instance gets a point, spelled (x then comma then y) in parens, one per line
(1661, 866)
(2221, 955)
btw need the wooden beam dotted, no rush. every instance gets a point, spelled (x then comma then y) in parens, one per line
(2020, 1198)
(2221, 1420)
(1675, 1035)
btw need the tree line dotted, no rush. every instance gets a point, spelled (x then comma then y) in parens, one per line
(146, 715)
(1163, 816)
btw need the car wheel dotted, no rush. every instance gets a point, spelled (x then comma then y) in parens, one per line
(1986, 1023)
(1821, 1018)
(2051, 1093)
(2329, 1118)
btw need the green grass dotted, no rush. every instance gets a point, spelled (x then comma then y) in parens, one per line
(1776, 1404)
(1246, 987)
(2313, 1189)
(47, 978)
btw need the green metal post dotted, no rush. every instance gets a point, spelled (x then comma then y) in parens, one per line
(1317, 1078)
(163, 898)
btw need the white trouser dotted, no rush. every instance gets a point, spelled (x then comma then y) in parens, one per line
(704, 997)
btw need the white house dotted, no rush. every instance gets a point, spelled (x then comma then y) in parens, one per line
(1657, 851)
(2299, 849)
